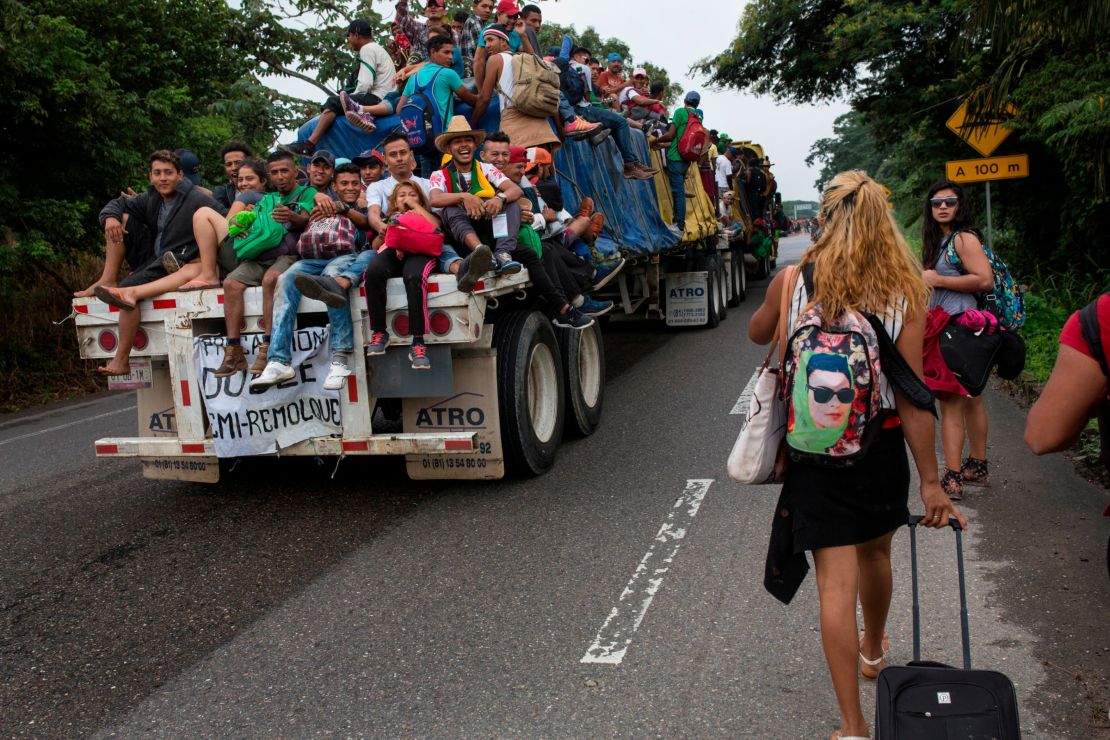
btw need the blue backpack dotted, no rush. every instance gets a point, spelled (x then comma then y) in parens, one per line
(570, 81)
(1005, 300)
(420, 117)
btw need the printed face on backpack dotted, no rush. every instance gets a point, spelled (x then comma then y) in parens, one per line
(829, 391)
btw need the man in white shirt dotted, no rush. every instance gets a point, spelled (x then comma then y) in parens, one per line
(363, 96)
(723, 172)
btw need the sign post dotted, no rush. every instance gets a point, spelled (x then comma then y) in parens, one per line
(985, 138)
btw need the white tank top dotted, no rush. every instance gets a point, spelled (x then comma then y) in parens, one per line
(506, 82)
(892, 322)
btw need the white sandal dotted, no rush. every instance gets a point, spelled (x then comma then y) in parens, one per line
(837, 736)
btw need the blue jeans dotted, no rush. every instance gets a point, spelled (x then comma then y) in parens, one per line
(617, 125)
(566, 110)
(353, 266)
(341, 337)
(676, 174)
(447, 258)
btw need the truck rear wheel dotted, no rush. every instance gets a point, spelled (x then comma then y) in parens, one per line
(583, 378)
(722, 287)
(529, 391)
(712, 298)
(739, 277)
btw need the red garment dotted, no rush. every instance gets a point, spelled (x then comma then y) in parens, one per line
(1073, 337)
(937, 375)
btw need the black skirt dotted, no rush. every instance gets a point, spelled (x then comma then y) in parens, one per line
(848, 506)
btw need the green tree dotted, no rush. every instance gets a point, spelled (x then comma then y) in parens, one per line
(905, 66)
(851, 147)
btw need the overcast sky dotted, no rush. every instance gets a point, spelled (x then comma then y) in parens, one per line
(674, 34)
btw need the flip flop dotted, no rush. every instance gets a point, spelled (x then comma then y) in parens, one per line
(197, 285)
(113, 297)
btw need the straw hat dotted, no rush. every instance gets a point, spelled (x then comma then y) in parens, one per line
(459, 127)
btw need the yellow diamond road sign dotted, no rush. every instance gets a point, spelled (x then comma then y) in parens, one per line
(983, 139)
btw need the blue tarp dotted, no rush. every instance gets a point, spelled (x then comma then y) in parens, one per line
(630, 207)
(344, 140)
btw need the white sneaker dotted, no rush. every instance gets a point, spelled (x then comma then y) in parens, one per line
(274, 373)
(337, 376)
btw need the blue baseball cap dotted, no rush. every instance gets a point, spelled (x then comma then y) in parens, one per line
(693, 98)
(614, 57)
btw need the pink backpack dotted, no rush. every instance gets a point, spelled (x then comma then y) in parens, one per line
(411, 232)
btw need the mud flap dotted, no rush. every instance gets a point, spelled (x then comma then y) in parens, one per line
(471, 408)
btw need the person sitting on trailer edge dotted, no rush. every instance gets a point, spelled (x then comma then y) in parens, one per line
(410, 248)
(165, 213)
(371, 166)
(333, 241)
(266, 249)
(169, 210)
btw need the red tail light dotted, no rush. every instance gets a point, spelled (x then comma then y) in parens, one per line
(141, 340)
(401, 325)
(107, 341)
(440, 323)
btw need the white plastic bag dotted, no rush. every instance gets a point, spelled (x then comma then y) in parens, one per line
(756, 450)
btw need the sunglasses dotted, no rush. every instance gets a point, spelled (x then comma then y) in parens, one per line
(824, 395)
(950, 201)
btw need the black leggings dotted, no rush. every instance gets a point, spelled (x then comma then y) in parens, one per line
(415, 268)
(554, 297)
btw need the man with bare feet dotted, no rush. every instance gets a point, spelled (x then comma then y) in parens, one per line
(166, 212)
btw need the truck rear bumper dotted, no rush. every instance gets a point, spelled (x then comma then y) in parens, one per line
(446, 443)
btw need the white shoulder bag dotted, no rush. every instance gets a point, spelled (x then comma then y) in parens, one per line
(755, 455)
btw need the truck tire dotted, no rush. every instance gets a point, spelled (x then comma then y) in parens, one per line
(738, 277)
(712, 299)
(529, 391)
(722, 288)
(583, 378)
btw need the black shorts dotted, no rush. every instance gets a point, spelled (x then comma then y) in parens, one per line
(849, 506)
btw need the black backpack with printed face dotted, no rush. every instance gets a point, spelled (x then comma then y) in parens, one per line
(1092, 334)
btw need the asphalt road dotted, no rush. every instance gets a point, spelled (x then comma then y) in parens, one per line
(285, 602)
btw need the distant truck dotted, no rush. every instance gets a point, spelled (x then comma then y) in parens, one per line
(505, 386)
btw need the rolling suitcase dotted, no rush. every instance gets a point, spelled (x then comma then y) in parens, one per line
(925, 700)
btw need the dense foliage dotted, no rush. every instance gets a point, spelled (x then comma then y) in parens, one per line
(905, 66)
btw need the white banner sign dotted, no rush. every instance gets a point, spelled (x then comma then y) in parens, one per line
(246, 422)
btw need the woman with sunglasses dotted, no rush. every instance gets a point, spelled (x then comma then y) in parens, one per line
(847, 516)
(947, 221)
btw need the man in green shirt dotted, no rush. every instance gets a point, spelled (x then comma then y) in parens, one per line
(272, 250)
(676, 165)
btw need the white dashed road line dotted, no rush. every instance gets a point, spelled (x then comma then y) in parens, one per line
(616, 634)
(741, 406)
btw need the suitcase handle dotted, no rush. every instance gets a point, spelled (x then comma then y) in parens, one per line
(964, 633)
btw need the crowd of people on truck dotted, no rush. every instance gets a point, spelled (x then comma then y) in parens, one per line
(492, 201)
